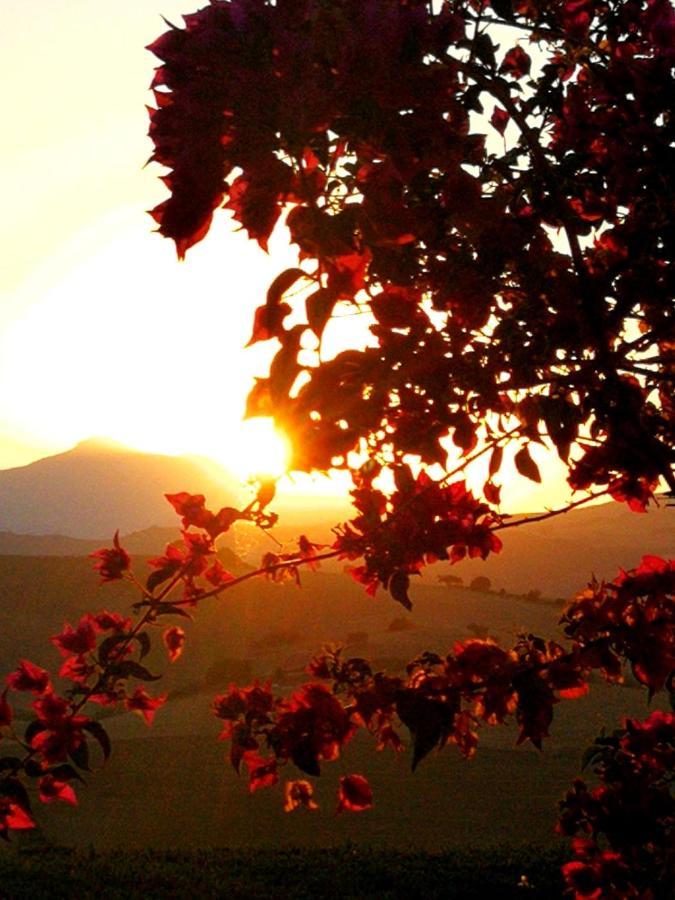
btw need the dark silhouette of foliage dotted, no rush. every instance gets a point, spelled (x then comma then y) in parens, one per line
(491, 184)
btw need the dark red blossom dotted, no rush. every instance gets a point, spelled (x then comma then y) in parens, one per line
(141, 702)
(61, 735)
(354, 795)
(261, 772)
(52, 789)
(28, 677)
(217, 574)
(79, 641)
(623, 828)
(113, 562)
(13, 816)
(516, 63)
(111, 621)
(632, 618)
(298, 793)
(192, 509)
(77, 669)
(174, 641)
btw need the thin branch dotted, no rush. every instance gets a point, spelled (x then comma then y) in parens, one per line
(552, 512)
(286, 564)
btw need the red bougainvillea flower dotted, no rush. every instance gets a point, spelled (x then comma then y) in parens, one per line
(174, 640)
(28, 677)
(51, 708)
(52, 789)
(194, 513)
(308, 550)
(191, 508)
(256, 701)
(261, 772)
(217, 574)
(354, 794)
(77, 669)
(141, 702)
(59, 738)
(13, 816)
(298, 793)
(112, 562)
(78, 640)
(111, 621)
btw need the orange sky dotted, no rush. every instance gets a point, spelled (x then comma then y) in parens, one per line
(102, 331)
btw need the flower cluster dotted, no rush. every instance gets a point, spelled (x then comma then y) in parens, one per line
(445, 699)
(625, 826)
(421, 522)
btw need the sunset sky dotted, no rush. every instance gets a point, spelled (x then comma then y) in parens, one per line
(102, 330)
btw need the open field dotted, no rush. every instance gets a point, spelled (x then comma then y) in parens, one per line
(171, 786)
(350, 872)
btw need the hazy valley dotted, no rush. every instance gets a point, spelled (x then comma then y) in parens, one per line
(171, 785)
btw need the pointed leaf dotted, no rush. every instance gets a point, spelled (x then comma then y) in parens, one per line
(80, 756)
(98, 732)
(496, 460)
(398, 588)
(33, 728)
(64, 772)
(109, 645)
(170, 609)
(131, 669)
(282, 283)
(143, 639)
(319, 306)
(526, 465)
(159, 577)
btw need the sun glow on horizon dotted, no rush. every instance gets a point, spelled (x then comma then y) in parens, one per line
(258, 450)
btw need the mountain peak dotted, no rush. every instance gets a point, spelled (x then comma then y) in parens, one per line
(98, 443)
(100, 486)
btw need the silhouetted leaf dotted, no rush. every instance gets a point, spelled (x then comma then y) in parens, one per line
(398, 588)
(131, 669)
(108, 647)
(304, 757)
(143, 639)
(319, 306)
(98, 732)
(80, 756)
(526, 465)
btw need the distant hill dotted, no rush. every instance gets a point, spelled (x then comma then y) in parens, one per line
(558, 556)
(148, 542)
(98, 487)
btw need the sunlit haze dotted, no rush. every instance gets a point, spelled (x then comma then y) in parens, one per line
(102, 330)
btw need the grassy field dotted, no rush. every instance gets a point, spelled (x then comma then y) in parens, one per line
(348, 872)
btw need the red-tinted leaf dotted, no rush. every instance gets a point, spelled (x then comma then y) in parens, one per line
(526, 465)
(174, 640)
(516, 63)
(354, 794)
(319, 306)
(298, 793)
(398, 588)
(52, 789)
(495, 460)
(281, 284)
(499, 119)
(492, 492)
(143, 703)
(28, 677)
